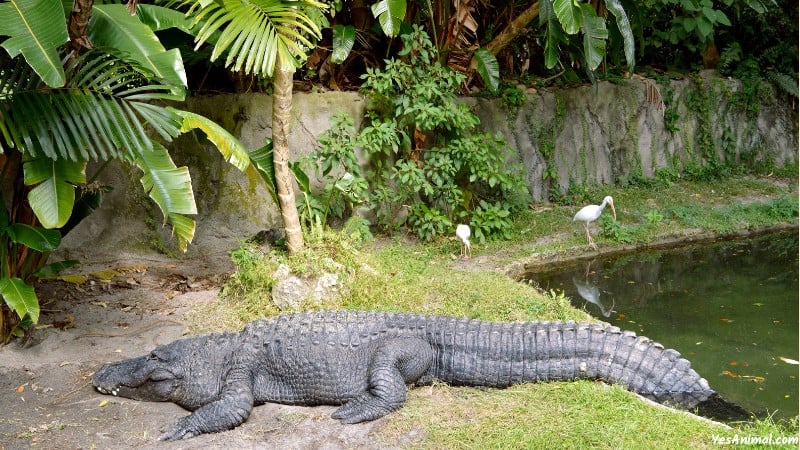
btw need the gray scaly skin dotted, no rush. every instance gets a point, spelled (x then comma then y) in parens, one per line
(364, 360)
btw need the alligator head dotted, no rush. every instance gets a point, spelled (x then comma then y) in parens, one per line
(186, 372)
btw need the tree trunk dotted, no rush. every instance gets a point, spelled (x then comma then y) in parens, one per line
(281, 114)
(78, 23)
(512, 30)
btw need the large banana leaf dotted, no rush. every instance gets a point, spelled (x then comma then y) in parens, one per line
(232, 150)
(98, 114)
(37, 28)
(115, 30)
(53, 197)
(344, 36)
(390, 14)
(488, 68)
(35, 238)
(170, 187)
(553, 33)
(624, 26)
(253, 33)
(20, 297)
(161, 18)
(263, 162)
(569, 15)
(595, 35)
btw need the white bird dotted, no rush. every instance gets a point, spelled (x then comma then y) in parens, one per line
(590, 213)
(462, 231)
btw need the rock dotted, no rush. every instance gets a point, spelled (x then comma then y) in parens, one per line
(291, 293)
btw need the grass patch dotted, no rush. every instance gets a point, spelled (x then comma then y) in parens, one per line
(581, 414)
(419, 278)
(647, 211)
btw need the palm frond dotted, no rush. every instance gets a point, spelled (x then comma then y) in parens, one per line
(253, 33)
(100, 113)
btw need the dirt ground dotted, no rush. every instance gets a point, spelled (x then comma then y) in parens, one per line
(46, 394)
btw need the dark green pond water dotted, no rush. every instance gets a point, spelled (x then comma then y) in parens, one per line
(731, 308)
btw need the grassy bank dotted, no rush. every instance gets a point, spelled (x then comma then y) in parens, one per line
(400, 274)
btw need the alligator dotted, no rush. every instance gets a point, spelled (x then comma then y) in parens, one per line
(363, 362)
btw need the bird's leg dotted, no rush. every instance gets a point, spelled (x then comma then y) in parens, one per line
(589, 236)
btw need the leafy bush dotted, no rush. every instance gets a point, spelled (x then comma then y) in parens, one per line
(425, 155)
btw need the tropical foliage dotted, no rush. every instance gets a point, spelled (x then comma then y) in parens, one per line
(91, 85)
(429, 166)
(547, 41)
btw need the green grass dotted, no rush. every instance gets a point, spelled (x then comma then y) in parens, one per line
(719, 206)
(416, 277)
(400, 274)
(580, 414)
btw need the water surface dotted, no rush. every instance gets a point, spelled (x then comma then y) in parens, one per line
(731, 308)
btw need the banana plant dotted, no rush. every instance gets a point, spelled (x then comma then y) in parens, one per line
(61, 107)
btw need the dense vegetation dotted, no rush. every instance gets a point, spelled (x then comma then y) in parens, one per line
(89, 82)
(559, 44)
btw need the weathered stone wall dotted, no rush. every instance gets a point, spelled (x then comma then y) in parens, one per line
(576, 136)
(565, 137)
(231, 205)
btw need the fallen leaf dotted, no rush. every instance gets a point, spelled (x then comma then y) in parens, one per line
(103, 304)
(119, 350)
(789, 361)
(103, 403)
(725, 319)
(106, 274)
(21, 389)
(74, 279)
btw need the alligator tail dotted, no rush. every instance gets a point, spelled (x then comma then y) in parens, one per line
(477, 353)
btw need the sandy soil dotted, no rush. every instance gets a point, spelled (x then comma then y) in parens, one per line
(45, 384)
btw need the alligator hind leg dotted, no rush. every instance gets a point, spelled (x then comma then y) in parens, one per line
(396, 362)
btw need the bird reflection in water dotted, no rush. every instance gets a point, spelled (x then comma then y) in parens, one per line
(591, 293)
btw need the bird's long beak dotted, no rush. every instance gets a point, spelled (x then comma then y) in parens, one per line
(613, 210)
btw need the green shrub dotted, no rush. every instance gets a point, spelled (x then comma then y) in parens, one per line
(423, 150)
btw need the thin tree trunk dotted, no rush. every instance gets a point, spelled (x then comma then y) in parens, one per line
(281, 114)
(78, 23)
(513, 29)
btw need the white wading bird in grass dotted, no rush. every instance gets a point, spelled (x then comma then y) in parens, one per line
(590, 213)
(462, 231)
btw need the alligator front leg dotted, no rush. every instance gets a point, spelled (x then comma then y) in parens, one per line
(230, 410)
(396, 362)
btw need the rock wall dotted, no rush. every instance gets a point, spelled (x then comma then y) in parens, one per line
(566, 137)
(577, 136)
